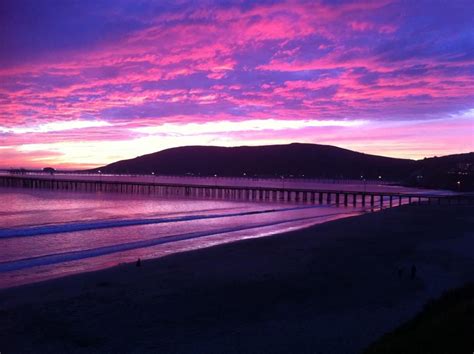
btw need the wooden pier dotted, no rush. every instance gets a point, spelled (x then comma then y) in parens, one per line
(242, 193)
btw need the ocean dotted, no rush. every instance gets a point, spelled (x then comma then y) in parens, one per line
(46, 234)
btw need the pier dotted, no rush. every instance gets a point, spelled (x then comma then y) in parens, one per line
(290, 194)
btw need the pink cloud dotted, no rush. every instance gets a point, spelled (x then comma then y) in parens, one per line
(281, 60)
(361, 26)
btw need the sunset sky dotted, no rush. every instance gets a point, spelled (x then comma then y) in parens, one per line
(85, 83)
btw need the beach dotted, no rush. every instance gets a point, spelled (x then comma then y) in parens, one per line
(331, 288)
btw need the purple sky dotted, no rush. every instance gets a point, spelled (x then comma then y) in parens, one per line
(84, 83)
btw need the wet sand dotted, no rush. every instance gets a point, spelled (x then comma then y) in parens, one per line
(331, 288)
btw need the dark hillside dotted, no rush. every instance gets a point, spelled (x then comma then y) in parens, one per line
(298, 160)
(454, 172)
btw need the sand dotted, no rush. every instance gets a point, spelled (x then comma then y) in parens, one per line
(330, 288)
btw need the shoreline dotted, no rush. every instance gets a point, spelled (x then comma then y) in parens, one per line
(307, 290)
(209, 238)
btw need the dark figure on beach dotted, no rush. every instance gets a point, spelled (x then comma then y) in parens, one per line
(400, 272)
(413, 271)
(139, 263)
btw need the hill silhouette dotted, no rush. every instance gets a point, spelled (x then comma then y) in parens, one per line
(301, 160)
(454, 172)
(297, 160)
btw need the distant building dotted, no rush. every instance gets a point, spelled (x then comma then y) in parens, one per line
(49, 170)
(463, 168)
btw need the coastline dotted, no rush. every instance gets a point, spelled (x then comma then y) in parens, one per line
(277, 294)
(21, 272)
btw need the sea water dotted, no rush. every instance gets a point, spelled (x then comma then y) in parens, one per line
(46, 234)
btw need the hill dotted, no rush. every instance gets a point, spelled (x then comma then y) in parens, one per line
(297, 160)
(454, 172)
(448, 172)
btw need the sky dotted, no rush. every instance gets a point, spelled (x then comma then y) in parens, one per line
(87, 82)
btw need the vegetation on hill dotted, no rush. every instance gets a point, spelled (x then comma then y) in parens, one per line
(444, 326)
(448, 172)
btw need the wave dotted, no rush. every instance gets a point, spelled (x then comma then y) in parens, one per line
(103, 224)
(141, 215)
(95, 252)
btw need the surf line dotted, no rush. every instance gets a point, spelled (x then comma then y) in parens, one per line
(101, 251)
(64, 228)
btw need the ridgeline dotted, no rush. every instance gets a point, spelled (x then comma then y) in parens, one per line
(301, 160)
